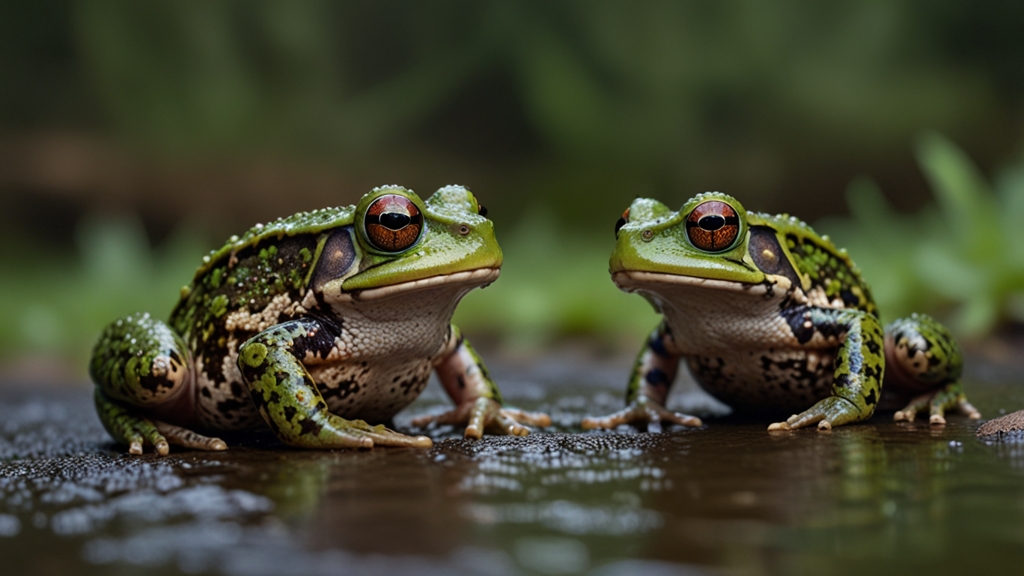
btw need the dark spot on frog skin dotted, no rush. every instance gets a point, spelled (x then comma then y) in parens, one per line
(656, 377)
(347, 388)
(275, 398)
(411, 386)
(318, 340)
(227, 407)
(290, 412)
(873, 346)
(154, 383)
(871, 399)
(205, 392)
(656, 342)
(872, 372)
(798, 322)
(849, 298)
(310, 427)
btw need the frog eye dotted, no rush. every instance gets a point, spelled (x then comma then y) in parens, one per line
(713, 226)
(393, 223)
(481, 209)
(622, 222)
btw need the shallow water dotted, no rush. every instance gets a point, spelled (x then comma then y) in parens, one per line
(727, 498)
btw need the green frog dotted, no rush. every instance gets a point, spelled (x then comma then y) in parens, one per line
(313, 325)
(772, 319)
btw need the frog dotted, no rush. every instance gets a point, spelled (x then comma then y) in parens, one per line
(771, 319)
(320, 326)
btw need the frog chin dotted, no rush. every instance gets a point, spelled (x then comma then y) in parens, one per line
(468, 279)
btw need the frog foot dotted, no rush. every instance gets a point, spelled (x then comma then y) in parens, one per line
(486, 414)
(832, 411)
(937, 403)
(188, 439)
(335, 432)
(140, 432)
(359, 434)
(643, 411)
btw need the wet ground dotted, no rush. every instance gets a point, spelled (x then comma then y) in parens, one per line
(875, 498)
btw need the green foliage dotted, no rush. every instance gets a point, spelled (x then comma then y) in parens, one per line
(555, 284)
(55, 304)
(965, 253)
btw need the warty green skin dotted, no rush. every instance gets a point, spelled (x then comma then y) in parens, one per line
(781, 321)
(306, 327)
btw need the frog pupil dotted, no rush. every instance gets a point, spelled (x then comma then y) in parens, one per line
(394, 220)
(711, 222)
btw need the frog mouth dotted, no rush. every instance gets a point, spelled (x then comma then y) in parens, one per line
(630, 281)
(469, 278)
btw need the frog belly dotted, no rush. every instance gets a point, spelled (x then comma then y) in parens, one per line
(766, 382)
(372, 390)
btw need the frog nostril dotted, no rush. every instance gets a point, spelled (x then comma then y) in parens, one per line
(394, 220)
(711, 222)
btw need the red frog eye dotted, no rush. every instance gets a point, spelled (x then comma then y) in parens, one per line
(713, 226)
(393, 223)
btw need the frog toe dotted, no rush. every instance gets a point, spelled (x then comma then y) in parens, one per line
(392, 438)
(965, 408)
(828, 413)
(642, 412)
(485, 414)
(188, 439)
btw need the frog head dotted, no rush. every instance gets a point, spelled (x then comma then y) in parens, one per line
(708, 238)
(402, 239)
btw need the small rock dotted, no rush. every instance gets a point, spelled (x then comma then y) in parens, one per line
(1006, 427)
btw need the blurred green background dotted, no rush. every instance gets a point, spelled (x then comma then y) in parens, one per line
(134, 136)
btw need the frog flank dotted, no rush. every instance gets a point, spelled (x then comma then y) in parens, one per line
(314, 325)
(771, 319)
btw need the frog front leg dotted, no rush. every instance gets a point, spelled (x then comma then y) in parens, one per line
(923, 360)
(288, 399)
(859, 365)
(140, 366)
(478, 402)
(653, 374)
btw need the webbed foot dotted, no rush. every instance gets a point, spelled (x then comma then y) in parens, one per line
(641, 411)
(485, 414)
(832, 411)
(937, 402)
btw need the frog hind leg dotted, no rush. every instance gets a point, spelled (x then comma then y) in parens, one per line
(649, 385)
(478, 403)
(140, 363)
(859, 365)
(921, 355)
(288, 399)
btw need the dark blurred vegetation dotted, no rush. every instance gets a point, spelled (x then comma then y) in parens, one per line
(136, 135)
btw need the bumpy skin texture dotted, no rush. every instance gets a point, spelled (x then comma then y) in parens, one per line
(771, 318)
(312, 325)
